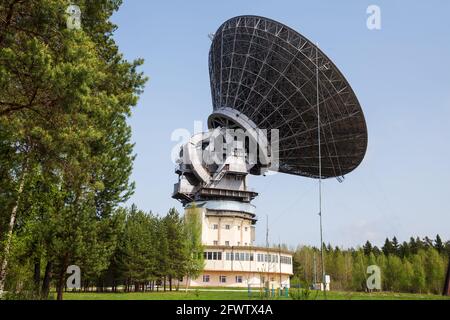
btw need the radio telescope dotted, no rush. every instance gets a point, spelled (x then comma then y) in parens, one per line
(264, 75)
(266, 71)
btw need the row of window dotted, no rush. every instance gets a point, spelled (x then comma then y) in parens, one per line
(212, 255)
(227, 243)
(286, 260)
(246, 256)
(267, 258)
(239, 256)
(228, 227)
(222, 279)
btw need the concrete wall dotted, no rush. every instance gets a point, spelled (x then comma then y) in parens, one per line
(255, 280)
(238, 234)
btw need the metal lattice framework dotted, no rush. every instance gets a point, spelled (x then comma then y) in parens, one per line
(267, 71)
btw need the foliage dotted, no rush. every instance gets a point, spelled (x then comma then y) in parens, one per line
(66, 152)
(416, 266)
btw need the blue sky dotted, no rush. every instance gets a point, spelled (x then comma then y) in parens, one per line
(401, 75)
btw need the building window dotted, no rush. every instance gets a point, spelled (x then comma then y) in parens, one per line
(242, 256)
(286, 260)
(206, 278)
(215, 226)
(239, 243)
(214, 255)
(216, 242)
(246, 228)
(227, 226)
(219, 255)
(245, 244)
(238, 279)
(227, 256)
(209, 255)
(239, 227)
(251, 256)
(227, 243)
(236, 256)
(223, 279)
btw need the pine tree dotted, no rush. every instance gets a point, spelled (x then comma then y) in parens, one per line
(395, 246)
(428, 243)
(376, 251)
(367, 248)
(194, 248)
(177, 245)
(414, 248)
(388, 247)
(420, 245)
(438, 244)
(404, 250)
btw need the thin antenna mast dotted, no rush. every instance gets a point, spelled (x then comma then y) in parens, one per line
(314, 269)
(279, 257)
(320, 169)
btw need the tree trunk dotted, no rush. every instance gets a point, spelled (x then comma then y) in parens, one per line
(447, 281)
(164, 279)
(12, 222)
(187, 283)
(61, 277)
(60, 285)
(47, 279)
(37, 275)
(170, 283)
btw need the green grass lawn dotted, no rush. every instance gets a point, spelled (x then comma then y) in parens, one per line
(233, 295)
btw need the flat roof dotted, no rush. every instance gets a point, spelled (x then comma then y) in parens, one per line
(250, 248)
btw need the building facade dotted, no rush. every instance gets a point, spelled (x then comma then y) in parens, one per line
(231, 259)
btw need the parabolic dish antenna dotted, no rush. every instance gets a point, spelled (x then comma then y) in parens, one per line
(264, 75)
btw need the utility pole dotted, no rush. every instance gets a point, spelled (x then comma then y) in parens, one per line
(315, 269)
(320, 170)
(279, 258)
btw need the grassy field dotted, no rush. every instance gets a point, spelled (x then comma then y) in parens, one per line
(241, 295)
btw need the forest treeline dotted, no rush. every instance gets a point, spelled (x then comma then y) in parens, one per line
(138, 251)
(415, 266)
